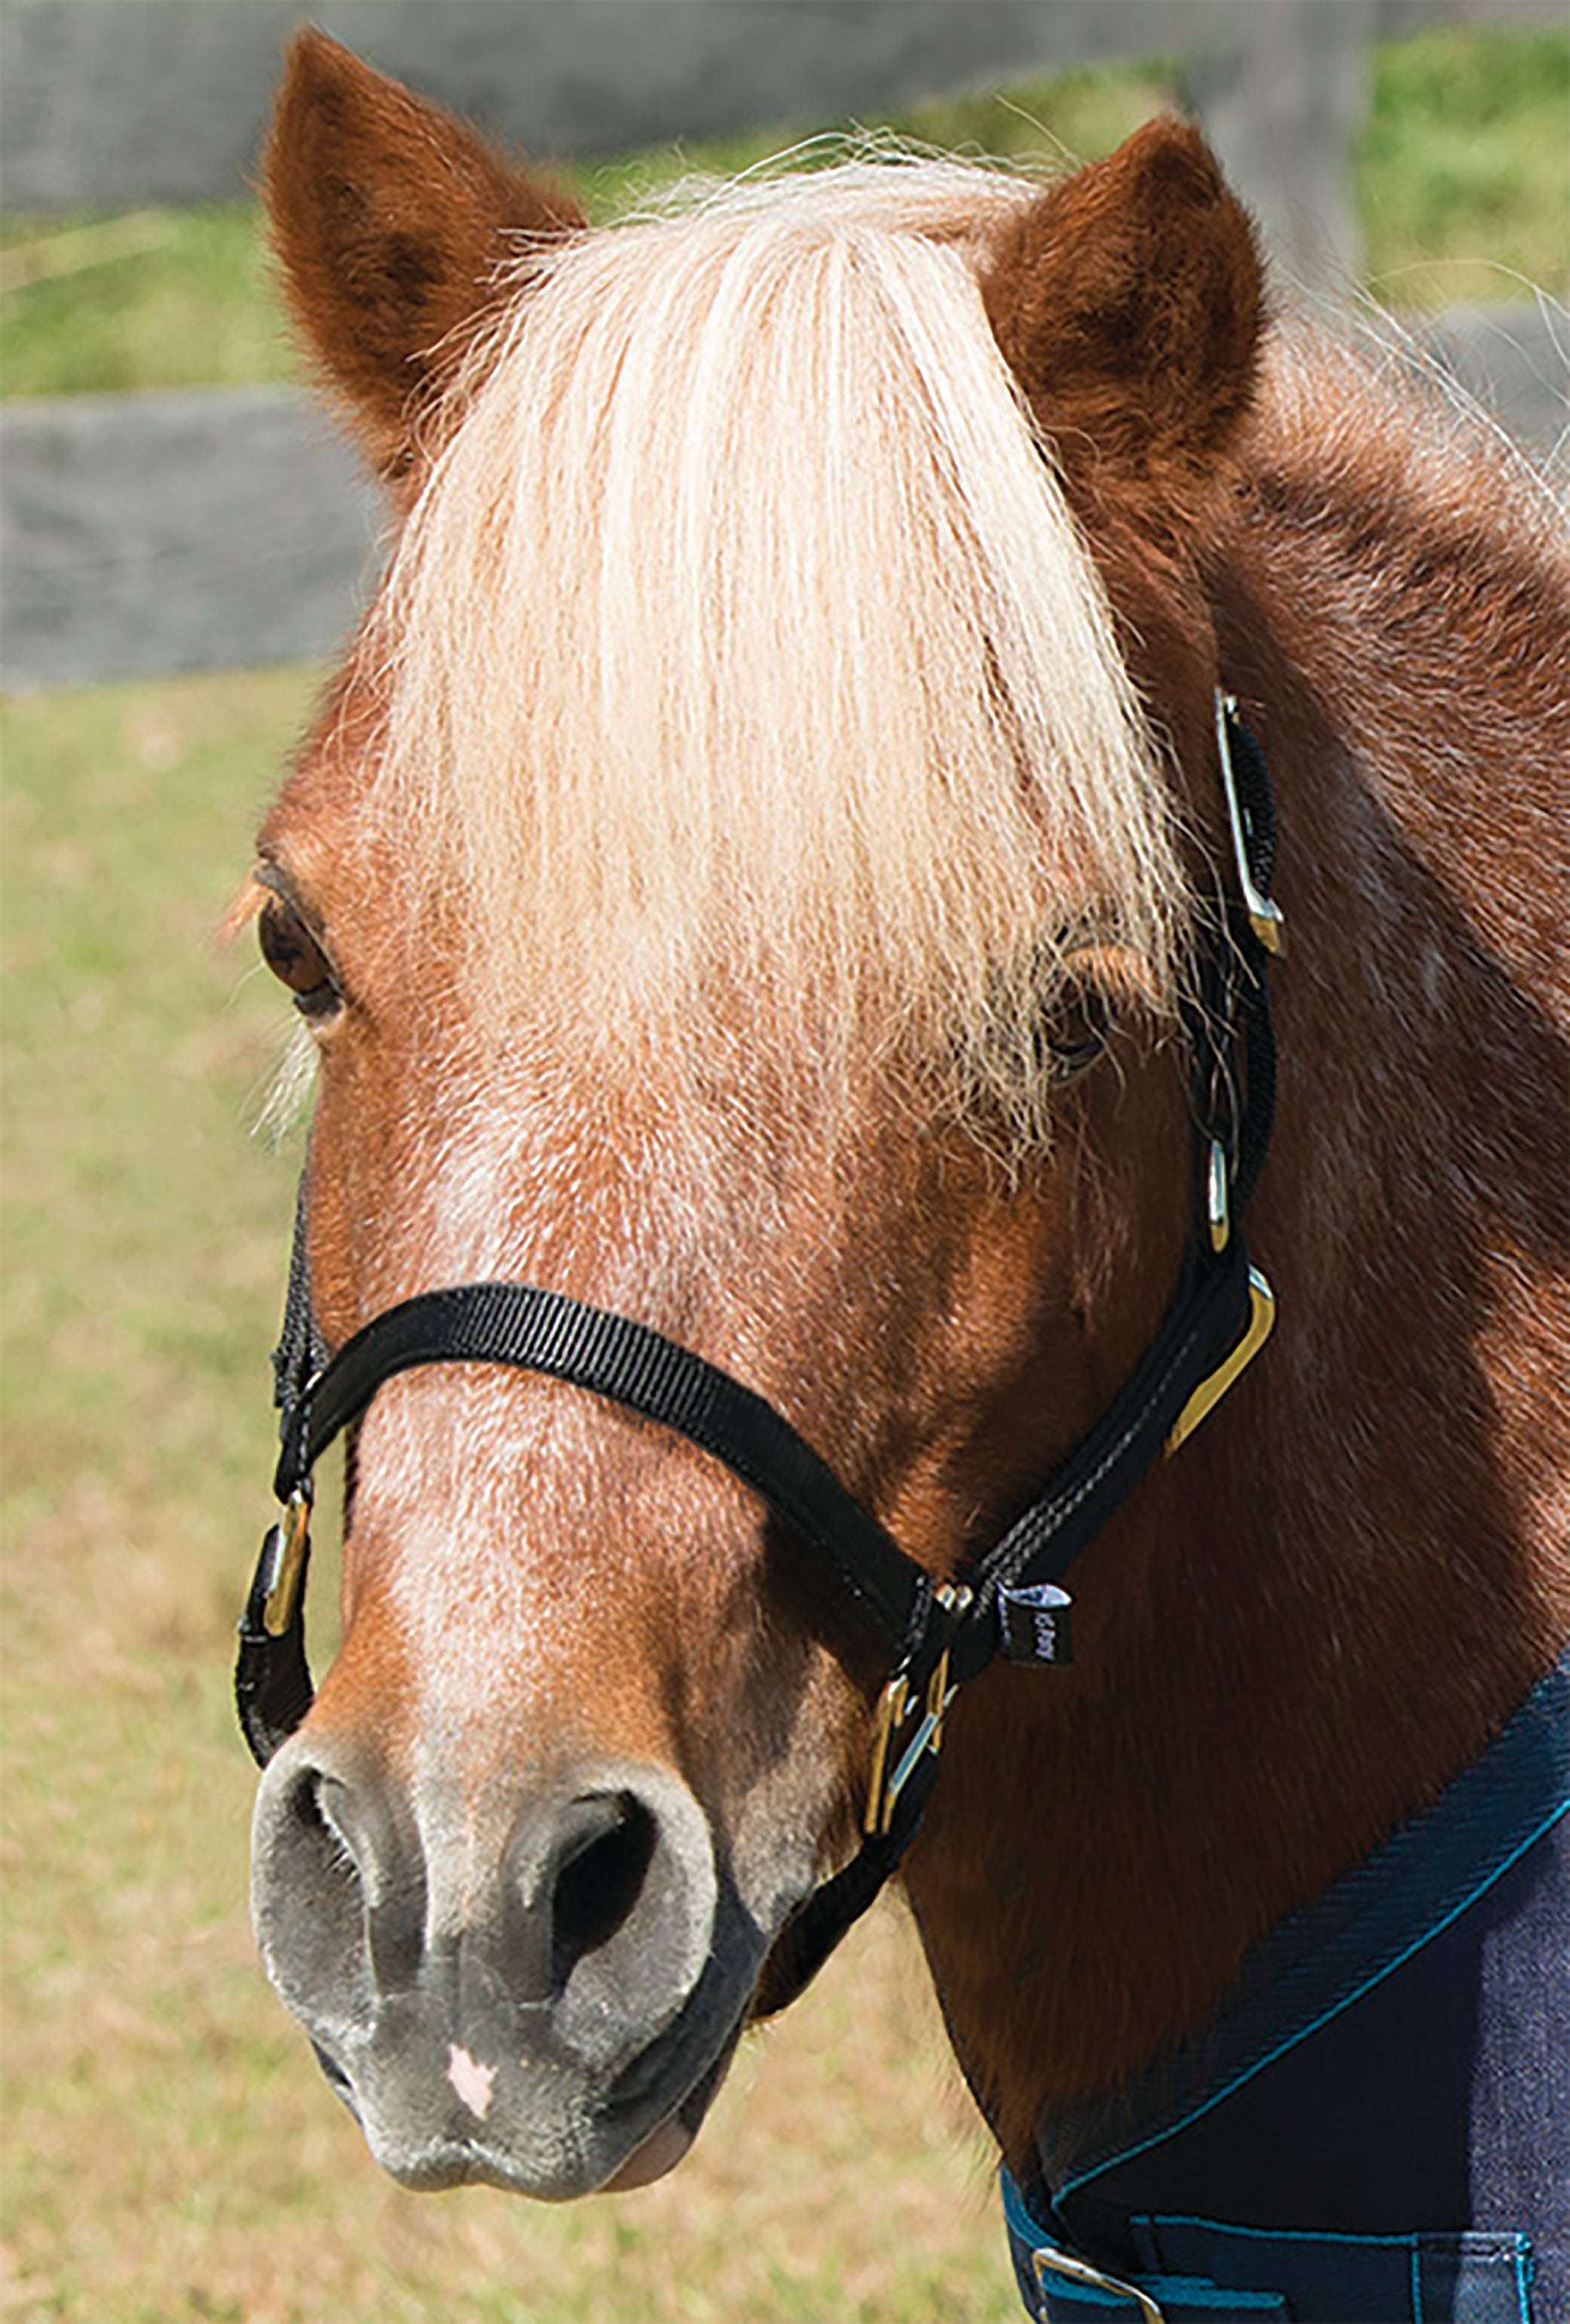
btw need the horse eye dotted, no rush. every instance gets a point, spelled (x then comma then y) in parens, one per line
(296, 959)
(1078, 1030)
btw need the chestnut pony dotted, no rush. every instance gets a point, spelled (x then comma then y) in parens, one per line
(748, 876)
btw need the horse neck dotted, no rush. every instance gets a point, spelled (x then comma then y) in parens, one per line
(1302, 1626)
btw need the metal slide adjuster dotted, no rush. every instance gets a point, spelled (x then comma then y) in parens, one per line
(897, 1705)
(1048, 2260)
(288, 1547)
(1217, 1197)
(1264, 916)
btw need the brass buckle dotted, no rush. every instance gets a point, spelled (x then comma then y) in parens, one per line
(291, 1548)
(897, 1705)
(1264, 916)
(1211, 1390)
(1048, 2260)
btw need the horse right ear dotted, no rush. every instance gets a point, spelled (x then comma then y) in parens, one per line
(1128, 302)
(390, 221)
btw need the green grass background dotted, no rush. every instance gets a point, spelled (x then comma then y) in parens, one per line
(171, 2153)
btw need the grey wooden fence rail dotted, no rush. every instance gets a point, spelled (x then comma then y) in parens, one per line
(140, 535)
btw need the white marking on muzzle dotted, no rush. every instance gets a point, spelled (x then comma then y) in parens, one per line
(471, 2080)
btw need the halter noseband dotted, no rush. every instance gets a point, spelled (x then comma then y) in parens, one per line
(935, 1636)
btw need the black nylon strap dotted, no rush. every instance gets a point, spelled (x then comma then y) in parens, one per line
(302, 1351)
(818, 1925)
(1251, 778)
(1207, 1316)
(1237, 1001)
(539, 1331)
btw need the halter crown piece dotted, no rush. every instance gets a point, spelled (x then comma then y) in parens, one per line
(936, 1637)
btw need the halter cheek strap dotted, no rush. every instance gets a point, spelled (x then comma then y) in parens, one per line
(934, 1636)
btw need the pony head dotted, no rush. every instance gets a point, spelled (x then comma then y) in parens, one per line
(741, 877)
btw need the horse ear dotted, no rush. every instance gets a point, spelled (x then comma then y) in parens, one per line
(390, 221)
(1128, 303)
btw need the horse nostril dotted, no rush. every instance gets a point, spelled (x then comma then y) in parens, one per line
(309, 1890)
(601, 1872)
(306, 1812)
(609, 1903)
(318, 1838)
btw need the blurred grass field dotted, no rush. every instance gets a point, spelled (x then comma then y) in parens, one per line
(171, 2153)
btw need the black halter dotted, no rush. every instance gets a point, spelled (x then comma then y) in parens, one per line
(934, 1636)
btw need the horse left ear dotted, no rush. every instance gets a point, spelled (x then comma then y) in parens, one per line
(1128, 303)
(391, 221)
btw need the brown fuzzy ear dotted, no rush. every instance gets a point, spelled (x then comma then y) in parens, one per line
(389, 219)
(1128, 303)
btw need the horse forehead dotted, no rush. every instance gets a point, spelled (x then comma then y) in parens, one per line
(567, 1172)
(838, 1276)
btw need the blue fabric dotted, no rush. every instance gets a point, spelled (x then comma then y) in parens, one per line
(1378, 2124)
(1469, 2278)
(1463, 2279)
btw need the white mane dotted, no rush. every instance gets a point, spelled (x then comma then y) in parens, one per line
(746, 671)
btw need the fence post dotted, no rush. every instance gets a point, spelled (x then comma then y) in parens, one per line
(1283, 91)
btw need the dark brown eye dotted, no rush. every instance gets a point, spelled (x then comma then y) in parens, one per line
(1100, 986)
(296, 959)
(1078, 1030)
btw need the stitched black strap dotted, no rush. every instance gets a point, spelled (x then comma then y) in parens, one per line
(536, 1330)
(1208, 1315)
(1236, 996)
(833, 1910)
(525, 1327)
(302, 1351)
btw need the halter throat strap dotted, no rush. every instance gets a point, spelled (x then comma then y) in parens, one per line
(934, 1636)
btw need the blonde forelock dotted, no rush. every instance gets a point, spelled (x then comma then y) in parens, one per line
(748, 676)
